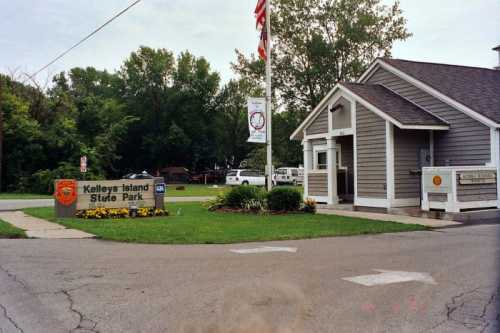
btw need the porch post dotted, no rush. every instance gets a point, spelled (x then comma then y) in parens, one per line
(332, 171)
(308, 151)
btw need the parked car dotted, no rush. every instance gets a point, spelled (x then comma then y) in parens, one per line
(293, 176)
(245, 177)
(175, 175)
(142, 175)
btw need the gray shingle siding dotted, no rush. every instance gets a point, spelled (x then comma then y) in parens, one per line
(371, 157)
(466, 143)
(319, 125)
(407, 145)
(318, 184)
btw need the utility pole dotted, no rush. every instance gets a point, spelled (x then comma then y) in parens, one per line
(269, 114)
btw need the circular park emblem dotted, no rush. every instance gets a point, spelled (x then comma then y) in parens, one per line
(65, 191)
(437, 180)
(257, 120)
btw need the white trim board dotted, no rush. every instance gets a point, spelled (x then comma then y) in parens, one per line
(389, 154)
(371, 202)
(428, 89)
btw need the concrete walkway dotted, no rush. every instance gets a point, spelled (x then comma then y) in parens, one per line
(38, 228)
(433, 223)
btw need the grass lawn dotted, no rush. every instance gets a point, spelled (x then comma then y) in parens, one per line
(9, 231)
(195, 190)
(191, 223)
(4, 196)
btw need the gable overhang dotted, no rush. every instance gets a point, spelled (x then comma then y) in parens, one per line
(380, 63)
(297, 134)
(353, 97)
(387, 117)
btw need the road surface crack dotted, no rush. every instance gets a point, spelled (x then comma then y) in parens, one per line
(470, 308)
(10, 319)
(13, 277)
(84, 323)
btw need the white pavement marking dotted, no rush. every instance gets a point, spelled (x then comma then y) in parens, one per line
(388, 277)
(265, 249)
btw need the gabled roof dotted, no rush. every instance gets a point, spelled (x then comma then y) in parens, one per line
(380, 100)
(395, 106)
(474, 87)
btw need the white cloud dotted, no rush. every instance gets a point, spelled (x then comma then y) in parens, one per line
(33, 32)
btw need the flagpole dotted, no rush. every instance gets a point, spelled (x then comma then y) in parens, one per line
(269, 114)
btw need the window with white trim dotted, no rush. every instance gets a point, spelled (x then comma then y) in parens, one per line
(321, 157)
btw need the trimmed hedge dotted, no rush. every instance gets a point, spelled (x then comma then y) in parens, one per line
(240, 196)
(284, 199)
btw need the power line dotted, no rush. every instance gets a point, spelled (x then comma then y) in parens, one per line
(85, 38)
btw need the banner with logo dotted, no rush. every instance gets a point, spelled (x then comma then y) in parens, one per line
(257, 120)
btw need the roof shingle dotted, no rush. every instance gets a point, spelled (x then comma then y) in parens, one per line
(394, 105)
(476, 88)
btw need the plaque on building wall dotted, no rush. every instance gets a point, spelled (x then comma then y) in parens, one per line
(477, 177)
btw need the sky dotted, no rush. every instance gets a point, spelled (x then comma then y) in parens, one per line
(33, 32)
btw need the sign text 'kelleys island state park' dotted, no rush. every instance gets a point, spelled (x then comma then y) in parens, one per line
(72, 195)
(110, 193)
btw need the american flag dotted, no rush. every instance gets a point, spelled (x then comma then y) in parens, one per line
(263, 44)
(260, 16)
(260, 13)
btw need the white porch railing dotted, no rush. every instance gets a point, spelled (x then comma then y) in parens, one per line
(455, 188)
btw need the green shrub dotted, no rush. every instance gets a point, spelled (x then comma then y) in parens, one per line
(284, 199)
(243, 196)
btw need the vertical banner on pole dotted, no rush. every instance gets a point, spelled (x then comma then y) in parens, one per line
(257, 120)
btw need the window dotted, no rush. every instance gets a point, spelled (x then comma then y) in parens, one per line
(295, 172)
(321, 160)
(232, 173)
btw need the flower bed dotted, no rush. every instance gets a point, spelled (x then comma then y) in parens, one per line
(117, 213)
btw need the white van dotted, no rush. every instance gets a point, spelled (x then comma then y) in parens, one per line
(293, 176)
(245, 177)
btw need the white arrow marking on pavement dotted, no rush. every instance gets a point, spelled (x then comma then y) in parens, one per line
(264, 249)
(388, 277)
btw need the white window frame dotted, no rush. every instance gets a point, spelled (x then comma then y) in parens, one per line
(316, 151)
(324, 149)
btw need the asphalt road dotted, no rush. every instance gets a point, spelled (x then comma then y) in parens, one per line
(97, 286)
(16, 204)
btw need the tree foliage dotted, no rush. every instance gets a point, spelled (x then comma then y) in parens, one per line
(162, 110)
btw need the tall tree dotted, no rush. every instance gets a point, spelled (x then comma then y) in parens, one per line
(318, 43)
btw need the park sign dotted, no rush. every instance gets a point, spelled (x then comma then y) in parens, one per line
(72, 195)
(115, 194)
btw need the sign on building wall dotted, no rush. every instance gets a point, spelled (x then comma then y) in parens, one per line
(257, 120)
(115, 194)
(437, 181)
(477, 177)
